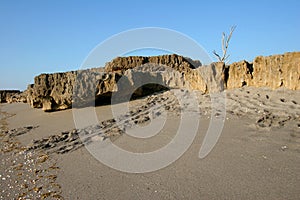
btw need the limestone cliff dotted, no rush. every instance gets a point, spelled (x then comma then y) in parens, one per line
(239, 74)
(271, 71)
(177, 62)
(52, 91)
(60, 91)
(10, 96)
(277, 71)
(125, 75)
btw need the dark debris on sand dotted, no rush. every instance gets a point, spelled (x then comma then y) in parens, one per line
(25, 174)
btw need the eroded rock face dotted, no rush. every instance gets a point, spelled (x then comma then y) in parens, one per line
(10, 96)
(277, 71)
(125, 76)
(51, 91)
(176, 62)
(18, 98)
(270, 71)
(60, 91)
(239, 74)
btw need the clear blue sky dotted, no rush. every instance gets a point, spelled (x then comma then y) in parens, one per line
(51, 36)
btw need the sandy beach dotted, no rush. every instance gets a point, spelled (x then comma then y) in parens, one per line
(256, 157)
(150, 100)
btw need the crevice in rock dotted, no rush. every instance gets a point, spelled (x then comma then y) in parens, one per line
(244, 83)
(250, 68)
(226, 75)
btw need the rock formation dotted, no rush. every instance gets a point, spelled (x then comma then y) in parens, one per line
(177, 62)
(60, 91)
(277, 71)
(52, 91)
(239, 74)
(126, 76)
(270, 71)
(10, 96)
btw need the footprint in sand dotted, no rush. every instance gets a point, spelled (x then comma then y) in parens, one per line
(294, 102)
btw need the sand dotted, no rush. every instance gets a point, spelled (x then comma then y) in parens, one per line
(256, 157)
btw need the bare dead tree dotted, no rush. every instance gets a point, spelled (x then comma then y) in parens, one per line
(225, 44)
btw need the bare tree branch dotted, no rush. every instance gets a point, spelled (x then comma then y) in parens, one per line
(225, 44)
(217, 55)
